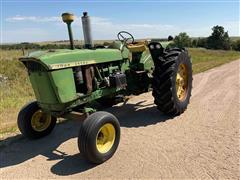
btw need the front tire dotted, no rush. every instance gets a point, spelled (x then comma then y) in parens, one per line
(33, 123)
(172, 81)
(99, 137)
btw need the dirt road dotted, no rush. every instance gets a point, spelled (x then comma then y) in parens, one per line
(201, 143)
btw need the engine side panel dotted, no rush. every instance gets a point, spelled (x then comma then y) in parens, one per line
(63, 84)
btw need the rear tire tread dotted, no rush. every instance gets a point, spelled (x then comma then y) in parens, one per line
(163, 82)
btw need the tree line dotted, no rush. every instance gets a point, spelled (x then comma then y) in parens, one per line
(219, 39)
(27, 46)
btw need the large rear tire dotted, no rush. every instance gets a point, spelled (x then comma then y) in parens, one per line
(99, 137)
(172, 81)
(33, 123)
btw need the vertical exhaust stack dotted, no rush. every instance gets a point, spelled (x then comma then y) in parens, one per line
(68, 19)
(88, 42)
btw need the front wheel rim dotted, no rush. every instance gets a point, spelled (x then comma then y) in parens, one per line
(182, 82)
(105, 138)
(40, 121)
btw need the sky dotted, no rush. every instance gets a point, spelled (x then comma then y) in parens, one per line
(35, 20)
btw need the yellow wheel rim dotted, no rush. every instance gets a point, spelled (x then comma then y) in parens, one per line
(105, 138)
(40, 121)
(182, 82)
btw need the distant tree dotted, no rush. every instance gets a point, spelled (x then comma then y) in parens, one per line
(106, 44)
(182, 40)
(236, 45)
(202, 42)
(219, 39)
(194, 43)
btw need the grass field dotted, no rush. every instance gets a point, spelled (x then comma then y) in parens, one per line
(16, 90)
(203, 59)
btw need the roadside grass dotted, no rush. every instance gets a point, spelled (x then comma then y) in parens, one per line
(203, 59)
(17, 91)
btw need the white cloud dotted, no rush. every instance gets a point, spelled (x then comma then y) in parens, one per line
(100, 21)
(105, 28)
(19, 18)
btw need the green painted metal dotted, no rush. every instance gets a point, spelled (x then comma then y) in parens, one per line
(43, 88)
(89, 110)
(55, 88)
(146, 60)
(165, 44)
(63, 84)
(82, 99)
(58, 59)
(57, 107)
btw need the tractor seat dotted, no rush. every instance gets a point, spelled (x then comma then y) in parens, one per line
(137, 47)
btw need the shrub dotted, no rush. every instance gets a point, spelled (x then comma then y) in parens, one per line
(219, 39)
(182, 40)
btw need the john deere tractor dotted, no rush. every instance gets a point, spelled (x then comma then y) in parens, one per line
(67, 81)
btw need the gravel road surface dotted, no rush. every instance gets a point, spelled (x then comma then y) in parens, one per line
(201, 143)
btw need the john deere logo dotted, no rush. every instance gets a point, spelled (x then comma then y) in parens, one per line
(72, 64)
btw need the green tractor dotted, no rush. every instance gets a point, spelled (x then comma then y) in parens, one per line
(67, 81)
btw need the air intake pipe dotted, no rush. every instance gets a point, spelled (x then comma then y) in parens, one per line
(68, 19)
(86, 25)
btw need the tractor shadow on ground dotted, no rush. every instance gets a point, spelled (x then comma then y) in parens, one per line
(139, 114)
(18, 149)
(129, 115)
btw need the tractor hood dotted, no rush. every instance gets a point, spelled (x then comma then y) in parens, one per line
(58, 59)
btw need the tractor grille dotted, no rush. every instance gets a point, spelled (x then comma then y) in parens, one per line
(34, 67)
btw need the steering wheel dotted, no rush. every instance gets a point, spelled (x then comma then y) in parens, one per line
(125, 37)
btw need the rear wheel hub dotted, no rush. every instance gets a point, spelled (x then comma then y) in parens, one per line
(182, 82)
